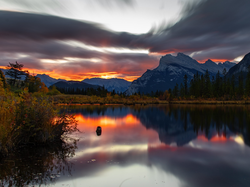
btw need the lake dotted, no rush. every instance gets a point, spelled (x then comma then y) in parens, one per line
(142, 146)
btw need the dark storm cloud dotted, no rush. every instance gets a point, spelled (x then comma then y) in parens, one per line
(209, 29)
(46, 50)
(45, 27)
(126, 63)
(28, 61)
(209, 25)
(58, 50)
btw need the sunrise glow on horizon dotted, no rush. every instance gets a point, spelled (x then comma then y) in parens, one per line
(125, 38)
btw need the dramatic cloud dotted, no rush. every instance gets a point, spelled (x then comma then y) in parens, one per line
(74, 62)
(208, 28)
(60, 5)
(45, 27)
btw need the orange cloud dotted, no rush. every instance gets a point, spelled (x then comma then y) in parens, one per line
(70, 75)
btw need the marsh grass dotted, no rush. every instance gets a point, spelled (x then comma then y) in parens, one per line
(116, 99)
(31, 119)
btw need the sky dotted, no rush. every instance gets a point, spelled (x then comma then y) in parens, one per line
(81, 39)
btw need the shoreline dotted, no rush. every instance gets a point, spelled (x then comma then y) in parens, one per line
(183, 102)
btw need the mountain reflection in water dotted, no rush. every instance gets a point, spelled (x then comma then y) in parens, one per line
(177, 145)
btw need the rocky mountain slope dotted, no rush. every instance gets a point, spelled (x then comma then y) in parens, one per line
(242, 66)
(47, 80)
(171, 70)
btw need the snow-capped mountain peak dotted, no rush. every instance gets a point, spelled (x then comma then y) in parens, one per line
(171, 70)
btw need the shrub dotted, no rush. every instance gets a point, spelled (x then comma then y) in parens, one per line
(30, 120)
(7, 108)
(36, 121)
(53, 91)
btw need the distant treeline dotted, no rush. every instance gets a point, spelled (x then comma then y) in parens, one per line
(100, 91)
(205, 86)
(202, 86)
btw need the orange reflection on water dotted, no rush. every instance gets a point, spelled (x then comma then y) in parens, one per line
(216, 138)
(106, 121)
(161, 146)
(127, 128)
(219, 139)
(202, 138)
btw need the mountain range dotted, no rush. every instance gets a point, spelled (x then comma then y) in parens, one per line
(242, 66)
(47, 80)
(119, 85)
(173, 129)
(74, 85)
(171, 70)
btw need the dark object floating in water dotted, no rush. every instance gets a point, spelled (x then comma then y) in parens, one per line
(98, 131)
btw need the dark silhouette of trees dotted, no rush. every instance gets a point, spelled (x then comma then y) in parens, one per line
(15, 71)
(34, 84)
(182, 91)
(186, 84)
(176, 90)
(220, 87)
(208, 87)
(232, 86)
(100, 91)
(241, 85)
(248, 82)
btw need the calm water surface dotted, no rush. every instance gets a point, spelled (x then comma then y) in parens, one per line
(174, 146)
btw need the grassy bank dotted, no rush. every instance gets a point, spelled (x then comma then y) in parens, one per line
(136, 99)
(212, 102)
(116, 99)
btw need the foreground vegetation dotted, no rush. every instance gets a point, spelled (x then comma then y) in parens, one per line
(28, 116)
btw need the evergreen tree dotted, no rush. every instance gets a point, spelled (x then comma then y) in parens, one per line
(248, 82)
(207, 88)
(182, 90)
(224, 84)
(217, 86)
(15, 71)
(213, 86)
(176, 90)
(202, 86)
(186, 84)
(113, 93)
(232, 86)
(227, 89)
(241, 85)
(191, 88)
